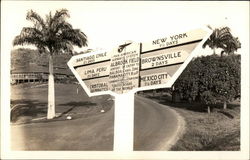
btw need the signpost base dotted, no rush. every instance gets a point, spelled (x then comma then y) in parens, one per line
(124, 123)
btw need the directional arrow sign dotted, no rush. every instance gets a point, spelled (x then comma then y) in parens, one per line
(92, 69)
(136, 66)
(163, 59)
(133, 67)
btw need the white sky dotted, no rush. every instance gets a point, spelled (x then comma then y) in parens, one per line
(108, 24)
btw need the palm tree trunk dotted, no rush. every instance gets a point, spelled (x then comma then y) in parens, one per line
(208, 109)
(225, 105)
(214, 52)
(162, 91)
(51, 91)
(154, 93)
(221, 53)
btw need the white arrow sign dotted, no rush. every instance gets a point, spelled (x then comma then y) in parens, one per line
(134, 67)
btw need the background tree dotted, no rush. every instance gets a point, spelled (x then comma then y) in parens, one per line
(222, 38)
(52, 35)
(227, 87)
(211, 80)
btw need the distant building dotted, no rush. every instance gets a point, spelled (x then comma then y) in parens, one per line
(38, 73)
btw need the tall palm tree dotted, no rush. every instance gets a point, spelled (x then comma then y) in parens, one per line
(222, 38)
(52, 35)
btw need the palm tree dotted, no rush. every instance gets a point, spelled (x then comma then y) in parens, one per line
(52, 35)
(222, 38)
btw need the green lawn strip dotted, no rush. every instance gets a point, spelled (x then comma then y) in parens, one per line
(31, 102)
(218, 131)
(208, 132)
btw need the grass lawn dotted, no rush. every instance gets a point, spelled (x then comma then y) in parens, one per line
(218, 131)
(30, 102)
(89, 129)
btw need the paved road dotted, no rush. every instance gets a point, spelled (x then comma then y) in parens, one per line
(155, 126)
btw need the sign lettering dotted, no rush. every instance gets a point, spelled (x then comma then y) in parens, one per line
(124, 69)
(154, 79)
(163, 59)
(176, 39)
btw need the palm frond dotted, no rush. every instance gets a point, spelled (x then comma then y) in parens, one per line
(75, 36)
(35, 18)
(63, 46)
(222, 38)
(61, 13)
(27, 40)
(59, 17)
(30, 36)
(205, 44)
(81, 38)
(60, 27)
(48, 19)
(31, 31)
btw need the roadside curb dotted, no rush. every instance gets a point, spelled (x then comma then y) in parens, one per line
(179, 132)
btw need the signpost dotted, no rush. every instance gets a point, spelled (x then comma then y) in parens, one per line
(134, 67)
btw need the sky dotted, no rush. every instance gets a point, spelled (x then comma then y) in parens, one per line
(108, 24)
